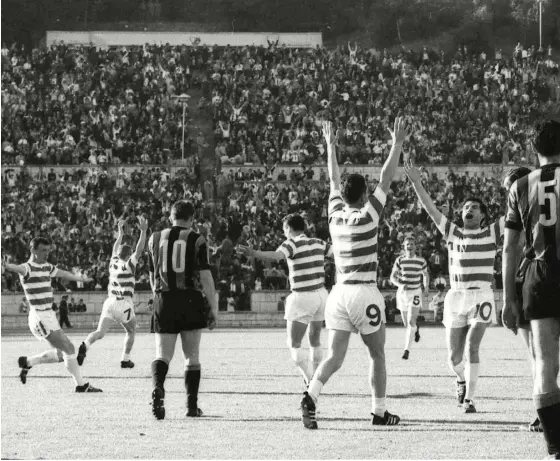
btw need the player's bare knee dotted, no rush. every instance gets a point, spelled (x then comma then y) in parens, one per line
(294, 343)
(315, 340)
(455, 358)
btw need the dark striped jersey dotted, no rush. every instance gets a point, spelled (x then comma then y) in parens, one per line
(411, 270)
(354, 236)
(122, 277)
(37, 286)
(471, 253)
(175, 257)
(306, 262)
(534, 206)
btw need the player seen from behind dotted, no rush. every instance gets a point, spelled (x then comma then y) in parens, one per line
(305, 306)
(534, 208)
(179, 274)
(355, 304)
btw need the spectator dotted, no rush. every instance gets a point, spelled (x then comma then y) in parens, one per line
(63, 312)
(23, 307)
(81, 306)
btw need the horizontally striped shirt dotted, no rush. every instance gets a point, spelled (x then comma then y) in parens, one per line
(37, 286)
(306, 262)
(354, 236)
(411, 270)
(121, 277)
(471, 253)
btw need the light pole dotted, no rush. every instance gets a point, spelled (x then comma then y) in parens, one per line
(540, 24)
(183, 98)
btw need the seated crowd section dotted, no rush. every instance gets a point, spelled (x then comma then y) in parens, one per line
(91, 108)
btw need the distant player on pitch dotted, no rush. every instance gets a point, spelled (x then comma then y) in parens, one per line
(355, 304)
(469, 305)
(306, 304)
(35, 276)
(119, 306)
(534, 208)
(410, 275)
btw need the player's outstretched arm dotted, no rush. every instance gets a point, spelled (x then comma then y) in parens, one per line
(394, 278)
(17, 268)
(65, 275)
(425, 199)
(390, 167)
(332, 162)
(510, 311)
(143, 225)
(119, 237)
(249, 252)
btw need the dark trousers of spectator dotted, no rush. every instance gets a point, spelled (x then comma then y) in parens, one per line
(64, 320)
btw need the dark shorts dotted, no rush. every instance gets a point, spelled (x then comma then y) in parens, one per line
(179, 311)
(541, 291)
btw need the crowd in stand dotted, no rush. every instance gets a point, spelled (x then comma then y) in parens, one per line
(466, 107)
(87, 104)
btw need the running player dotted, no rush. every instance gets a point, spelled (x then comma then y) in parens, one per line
(179, 272)
(355, 304)
(524, 324)
(469, 304)
(119, 306)
(409, 274)
(306, 304)
(534, 207)
(35, 276)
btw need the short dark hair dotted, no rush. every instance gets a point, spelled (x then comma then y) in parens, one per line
(124, 251)
(411, 238)
(295, 222)
(39, 241)
(483, 207)
(514, 175)
(546, 138)
(353, 188)
(183, 210)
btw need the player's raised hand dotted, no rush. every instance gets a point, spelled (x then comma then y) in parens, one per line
(142, 223)
(86, 278)
(400, 132)
(121, 224)
(412, 172)
(328, 133)
(246, 251)
(510, 316)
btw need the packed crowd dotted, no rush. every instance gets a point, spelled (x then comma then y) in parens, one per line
(86, 104)
(78, 210)
(268, 104)
(81, 104)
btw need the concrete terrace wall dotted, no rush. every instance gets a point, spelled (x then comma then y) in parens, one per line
(264, 312)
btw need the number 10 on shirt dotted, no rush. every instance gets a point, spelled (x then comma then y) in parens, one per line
(177, 255)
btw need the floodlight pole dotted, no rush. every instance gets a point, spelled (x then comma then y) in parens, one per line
(540, 24)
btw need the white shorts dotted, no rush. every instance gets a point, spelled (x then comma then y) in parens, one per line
(119, 310)
(409, 299)
(43, 323)
(355, 308)
(466, 307)
(306, 306)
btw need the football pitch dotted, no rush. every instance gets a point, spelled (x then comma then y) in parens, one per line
(250, 393)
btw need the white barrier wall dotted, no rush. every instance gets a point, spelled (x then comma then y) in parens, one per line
(101, 38)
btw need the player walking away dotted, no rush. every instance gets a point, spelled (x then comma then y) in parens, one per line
(409, 273)
(355, 304)
(35, 276)
(469, 304)
(534, 207)
(119, 306)
(306, 304)
(524, 324)
(179, 270)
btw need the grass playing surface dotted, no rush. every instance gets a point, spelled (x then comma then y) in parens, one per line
(250, 394)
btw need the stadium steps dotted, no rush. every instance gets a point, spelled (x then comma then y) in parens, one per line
(202, 123)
